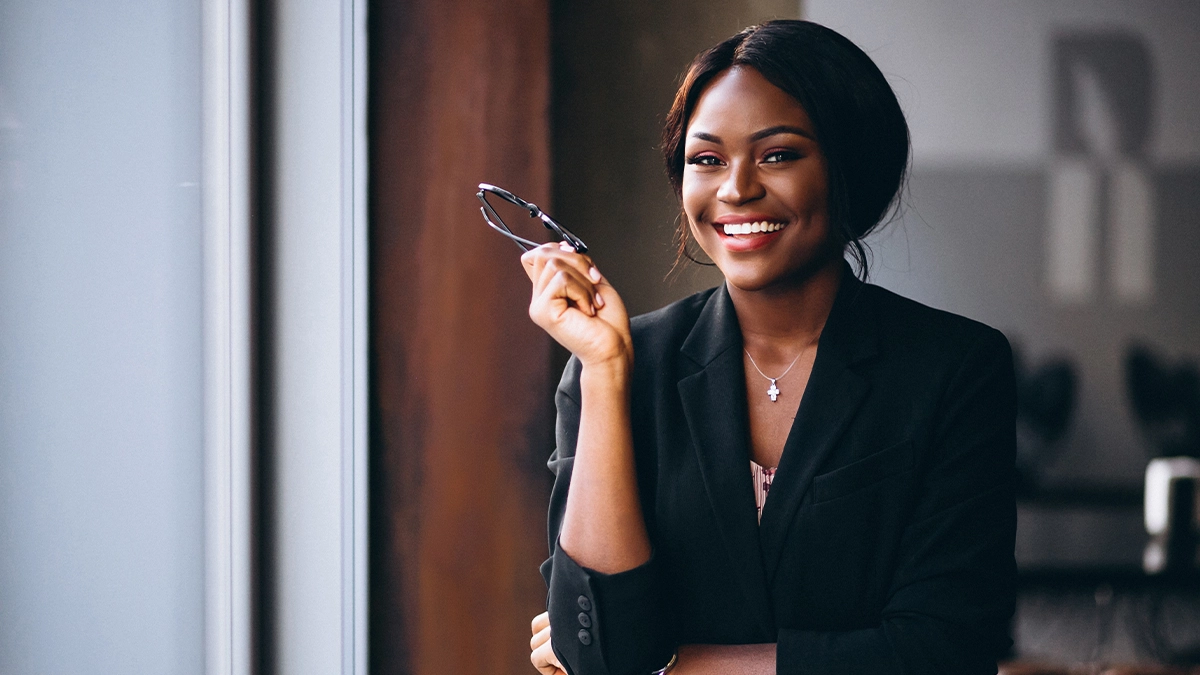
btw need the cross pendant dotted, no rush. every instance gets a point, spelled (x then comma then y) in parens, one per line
(773, 392)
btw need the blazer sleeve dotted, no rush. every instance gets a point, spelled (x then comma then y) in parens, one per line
(600, 624)
(953, 591)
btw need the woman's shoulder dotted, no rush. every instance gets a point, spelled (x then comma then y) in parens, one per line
(909, 326)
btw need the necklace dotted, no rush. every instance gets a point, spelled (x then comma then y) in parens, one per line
(772, 391)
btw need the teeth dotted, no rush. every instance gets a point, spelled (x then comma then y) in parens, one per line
(752, 228)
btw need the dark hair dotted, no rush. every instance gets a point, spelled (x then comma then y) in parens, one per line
(858, 121)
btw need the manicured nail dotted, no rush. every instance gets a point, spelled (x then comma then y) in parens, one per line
(594, 274)
(599, 300)
(566, 247)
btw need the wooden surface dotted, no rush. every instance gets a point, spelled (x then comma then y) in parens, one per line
(461, 383)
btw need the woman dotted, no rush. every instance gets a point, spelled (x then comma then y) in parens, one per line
(883, 429)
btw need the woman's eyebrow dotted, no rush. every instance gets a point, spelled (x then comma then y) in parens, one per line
(781, 129)
(758, 135)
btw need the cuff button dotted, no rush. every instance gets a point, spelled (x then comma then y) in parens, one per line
(585, 620)
(584, 603)
(585, 637)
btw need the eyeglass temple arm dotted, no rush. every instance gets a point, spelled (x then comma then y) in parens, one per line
(534, 212)
(522, 243)
(553, 225)
(566, 234)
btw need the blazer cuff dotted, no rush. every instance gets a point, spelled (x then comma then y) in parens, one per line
(607, 624)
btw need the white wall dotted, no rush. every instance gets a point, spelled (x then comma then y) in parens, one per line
(101, 503)
(974, 77)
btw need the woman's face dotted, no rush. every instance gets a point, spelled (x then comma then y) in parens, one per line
(755, 185)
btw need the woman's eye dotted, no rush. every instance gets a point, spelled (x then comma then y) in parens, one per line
(704, 160)
(777, 156)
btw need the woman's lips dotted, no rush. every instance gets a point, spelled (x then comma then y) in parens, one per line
(741, 237)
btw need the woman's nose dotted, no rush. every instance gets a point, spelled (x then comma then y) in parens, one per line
(741, 184)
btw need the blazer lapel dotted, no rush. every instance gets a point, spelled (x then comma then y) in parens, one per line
(832, 396)
(714, 403)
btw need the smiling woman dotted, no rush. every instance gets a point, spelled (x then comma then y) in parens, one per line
(854, 516)
(849, 110)
(755, 182)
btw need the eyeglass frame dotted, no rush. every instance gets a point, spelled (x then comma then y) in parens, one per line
(534, 212)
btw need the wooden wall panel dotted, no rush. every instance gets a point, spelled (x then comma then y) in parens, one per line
(461, 382)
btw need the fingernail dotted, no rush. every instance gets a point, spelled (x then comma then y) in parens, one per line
(599, 299)
(594, 274)
(566, 247)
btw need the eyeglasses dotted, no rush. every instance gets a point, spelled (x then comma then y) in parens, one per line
(495, 222)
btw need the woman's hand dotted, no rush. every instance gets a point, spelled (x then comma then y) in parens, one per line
(542, 655)
(575, 304)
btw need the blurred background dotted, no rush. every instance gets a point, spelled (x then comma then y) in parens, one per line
(269, 397)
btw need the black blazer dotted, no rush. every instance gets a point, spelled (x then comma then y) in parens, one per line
(886, 545)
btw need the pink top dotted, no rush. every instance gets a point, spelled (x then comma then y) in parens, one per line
(762, 485)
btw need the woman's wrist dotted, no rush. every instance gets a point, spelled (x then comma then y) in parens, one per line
(607, 371)
(751, 659)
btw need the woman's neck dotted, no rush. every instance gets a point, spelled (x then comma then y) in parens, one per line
(779, 321)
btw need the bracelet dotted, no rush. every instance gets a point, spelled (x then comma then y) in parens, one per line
(667, 668)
